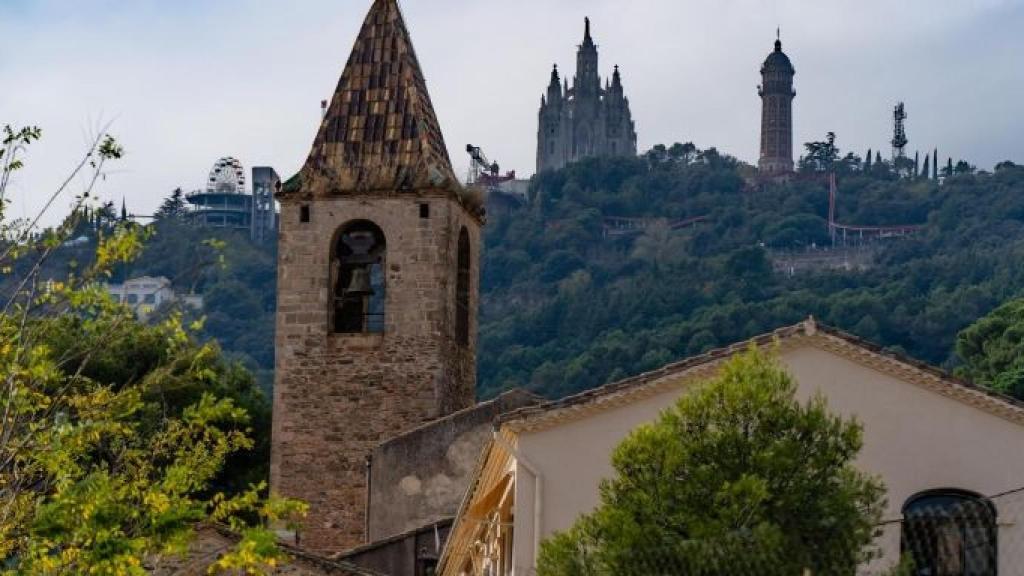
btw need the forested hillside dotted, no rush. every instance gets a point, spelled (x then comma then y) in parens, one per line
(566, 308)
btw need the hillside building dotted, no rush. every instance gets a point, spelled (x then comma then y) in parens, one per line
(144, 295)
(586, 119)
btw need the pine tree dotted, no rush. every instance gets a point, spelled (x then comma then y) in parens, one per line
(172, 207)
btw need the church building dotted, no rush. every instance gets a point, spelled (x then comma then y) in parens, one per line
(586, 119)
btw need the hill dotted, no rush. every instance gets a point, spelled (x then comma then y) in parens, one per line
(618, 266)
(569, 304)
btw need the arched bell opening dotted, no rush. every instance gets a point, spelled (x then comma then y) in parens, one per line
(357, 279)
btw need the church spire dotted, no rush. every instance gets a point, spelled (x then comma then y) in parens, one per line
(380, 132)
(587, 82)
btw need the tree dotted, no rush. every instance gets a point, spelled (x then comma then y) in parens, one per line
(927, 170)
(992, 350)
(948, 170)
(737, 478)
(963, 167)
(114, 437)
(173, 206)
(820, 155)
(867, 161)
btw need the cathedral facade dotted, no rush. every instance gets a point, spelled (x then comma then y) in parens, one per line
(586, 119)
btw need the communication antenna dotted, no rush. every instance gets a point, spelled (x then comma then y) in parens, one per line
(899, 138)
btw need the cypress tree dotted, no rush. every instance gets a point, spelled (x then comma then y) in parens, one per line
(878, 158)
(927, 171)
(935, 164)
(917, 163)
(867, 161)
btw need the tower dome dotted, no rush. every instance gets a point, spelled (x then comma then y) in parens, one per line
(777, 61)
(226, 177)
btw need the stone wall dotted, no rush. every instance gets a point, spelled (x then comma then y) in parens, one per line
(336, 396)
(414, 553)
(421, 477)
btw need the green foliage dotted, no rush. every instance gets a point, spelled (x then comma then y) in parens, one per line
(115, 438)
(173, 206)
(566, 307)
(737, 478)
(992, 349)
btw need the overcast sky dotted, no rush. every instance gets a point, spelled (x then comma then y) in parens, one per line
(189, 81)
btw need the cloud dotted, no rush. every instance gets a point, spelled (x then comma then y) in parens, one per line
(190, 81)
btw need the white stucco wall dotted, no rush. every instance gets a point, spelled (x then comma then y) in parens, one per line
(915, 439)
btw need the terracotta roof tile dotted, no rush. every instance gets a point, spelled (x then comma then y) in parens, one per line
(380, 132)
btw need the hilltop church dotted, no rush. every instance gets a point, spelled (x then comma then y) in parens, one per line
(586, 119)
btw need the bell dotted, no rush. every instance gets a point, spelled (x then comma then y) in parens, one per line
(359, 285)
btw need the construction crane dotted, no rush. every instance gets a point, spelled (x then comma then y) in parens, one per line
(484, 172)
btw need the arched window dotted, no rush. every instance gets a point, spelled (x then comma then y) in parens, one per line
(950, 533)
(462, 289)
(357, 279)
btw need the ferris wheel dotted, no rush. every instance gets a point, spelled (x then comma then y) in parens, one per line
(226, 177)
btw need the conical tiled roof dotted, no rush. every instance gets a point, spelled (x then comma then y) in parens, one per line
(380, 133)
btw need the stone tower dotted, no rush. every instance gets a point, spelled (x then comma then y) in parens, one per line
(587, 119)
(776, 91)
(377, 285)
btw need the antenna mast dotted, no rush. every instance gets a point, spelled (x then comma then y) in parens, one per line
(899, 138)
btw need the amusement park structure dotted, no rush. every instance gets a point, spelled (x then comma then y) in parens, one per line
(225, 203)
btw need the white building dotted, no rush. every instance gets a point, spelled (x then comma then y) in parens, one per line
(144, 295)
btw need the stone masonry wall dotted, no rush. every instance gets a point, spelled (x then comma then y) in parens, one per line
(336, 396)
(421, 477)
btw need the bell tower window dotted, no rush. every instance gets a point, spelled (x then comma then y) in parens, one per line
(462, 290)
(357, 279)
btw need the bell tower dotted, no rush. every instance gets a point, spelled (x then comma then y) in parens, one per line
(378, 286)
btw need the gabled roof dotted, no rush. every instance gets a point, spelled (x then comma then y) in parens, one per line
(808, 332)
(380, 132)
